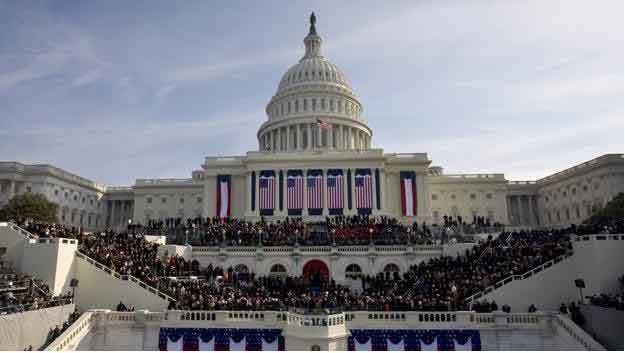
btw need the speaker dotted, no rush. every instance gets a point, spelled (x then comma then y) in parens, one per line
(73, 283)
(579, 283)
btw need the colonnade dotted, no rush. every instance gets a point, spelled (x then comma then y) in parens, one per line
(310, 136)
(119, 212)
(522, 210)
(347, 193)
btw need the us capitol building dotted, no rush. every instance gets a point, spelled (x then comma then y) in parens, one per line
(315, 159)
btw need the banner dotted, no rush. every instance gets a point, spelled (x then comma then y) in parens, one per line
(336, 191)
(294, 192)
(362, 181)
(408, 192)
(414, 340)
(223, 195)
(220, 339)
(267, 192)
(314, 186)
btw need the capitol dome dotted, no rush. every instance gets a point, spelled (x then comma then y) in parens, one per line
(314, 107)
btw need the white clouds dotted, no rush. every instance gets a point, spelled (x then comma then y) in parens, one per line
(87, 78)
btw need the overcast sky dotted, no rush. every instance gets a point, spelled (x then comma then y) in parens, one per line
(119, 90)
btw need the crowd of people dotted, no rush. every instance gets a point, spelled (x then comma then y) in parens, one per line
(335, 230)
(607, 300)
(440, 283)
(22, 292)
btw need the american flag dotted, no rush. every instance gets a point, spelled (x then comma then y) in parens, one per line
(363, 191)
(267, 189)
(322, 123)
(335, 191)
(315, 191)
(295, 192)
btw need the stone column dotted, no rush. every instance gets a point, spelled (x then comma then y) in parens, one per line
(298, 141)
(309, 137)
(509, 214)
(288, 138)
(269, 137)
(11, 189)
(248, 188)
(339, 136)
(349, 138)
(519, 218)
(319, 137)
(331, 136)
(279, 131)
(257, 193)
(383, 191)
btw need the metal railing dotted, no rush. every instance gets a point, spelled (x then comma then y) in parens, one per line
(20, 230)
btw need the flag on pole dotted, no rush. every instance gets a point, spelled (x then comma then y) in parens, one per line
(223, 196)
(322, 123)
(294, 192)
(335, 191)
(267, 192)
(408, 187)
(362, 181)
(315, 192)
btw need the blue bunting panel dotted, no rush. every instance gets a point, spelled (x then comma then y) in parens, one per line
(413, 339)
(222, 336)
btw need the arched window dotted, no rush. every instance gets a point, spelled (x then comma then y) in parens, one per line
(241, 268)
(353, 271)
(277, 270)
(391, 268)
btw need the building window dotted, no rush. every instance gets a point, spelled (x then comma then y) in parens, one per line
(574, 191)
(181, 200)
(472, 196)
(66, 194)
(83, 200)
(563, 193)
(434, 197)
(353, 271)
(164, 200)
(435, 215)
(391, 268)
(199, 200)
(75, 198)
(453, 197)
(148, 200)
(91, 202)
(489, 196)
(546, 198)
(28, 189)
(491, 215)
(56, 192)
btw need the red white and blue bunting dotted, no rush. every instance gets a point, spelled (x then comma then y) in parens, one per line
(223, 196)
(408, 188)
(220, 339)
(414, 340)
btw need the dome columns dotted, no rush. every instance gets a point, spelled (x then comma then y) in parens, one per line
(308, 135)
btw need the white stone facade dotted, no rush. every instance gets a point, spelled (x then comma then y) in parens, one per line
(79, 199)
